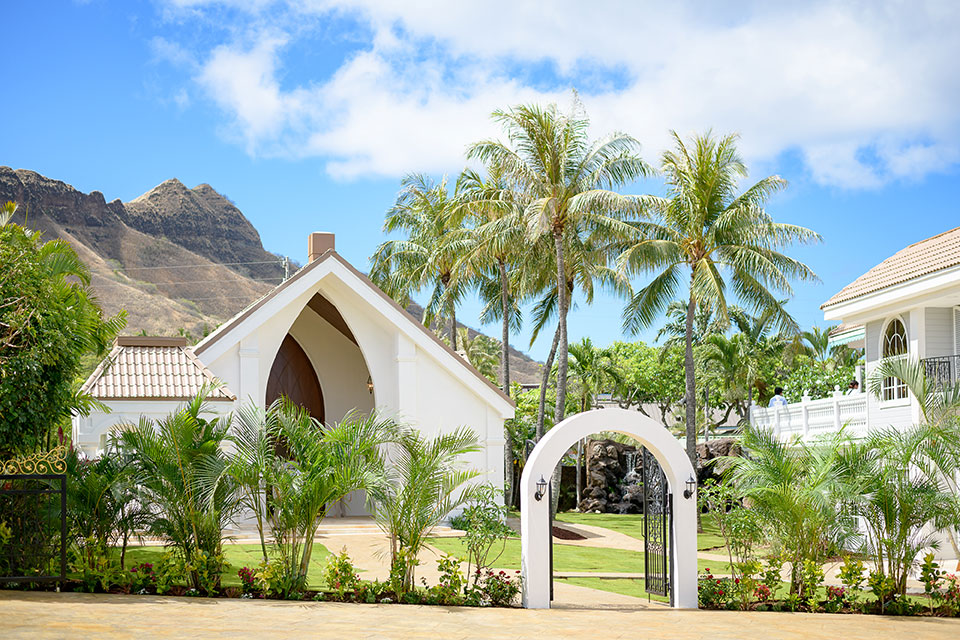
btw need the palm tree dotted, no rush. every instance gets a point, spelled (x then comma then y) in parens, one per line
(816, 343)
(587, 267)
(425, 482)
(169, 459)
(897, 491)
(796, 490)
(494, 251)
(760, 342)
(427, 258)
(704, 324)
(323, 463)
(482, 352)
(249, 464)
(706, 229)
(726, 356)
(566, 181)
(939, 409)
(594, 370)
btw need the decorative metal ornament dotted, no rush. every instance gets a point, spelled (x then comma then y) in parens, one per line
(45, 462)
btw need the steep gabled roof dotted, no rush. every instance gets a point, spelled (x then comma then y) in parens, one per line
(922, 258)
(152, 368)
(410, 323)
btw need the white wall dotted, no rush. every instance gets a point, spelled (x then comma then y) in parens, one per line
(939, 331)
(90, 433)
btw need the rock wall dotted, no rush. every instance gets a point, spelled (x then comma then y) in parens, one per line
(614, 481)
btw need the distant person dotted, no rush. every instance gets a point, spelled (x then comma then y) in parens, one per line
(853, 387)
(778, 400)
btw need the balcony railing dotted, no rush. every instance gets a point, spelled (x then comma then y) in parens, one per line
(942, 370)
(814, 417)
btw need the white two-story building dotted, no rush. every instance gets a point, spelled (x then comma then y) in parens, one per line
(908, 305)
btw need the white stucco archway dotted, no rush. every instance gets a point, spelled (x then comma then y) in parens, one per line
(535, 535)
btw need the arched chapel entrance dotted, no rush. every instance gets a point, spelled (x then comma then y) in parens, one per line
(535, 533)
(293, 375)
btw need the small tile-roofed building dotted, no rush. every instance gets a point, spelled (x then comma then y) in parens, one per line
(145, 376)
(328, 339)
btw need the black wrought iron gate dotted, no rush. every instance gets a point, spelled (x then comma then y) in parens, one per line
(657, 529)
(33, 518)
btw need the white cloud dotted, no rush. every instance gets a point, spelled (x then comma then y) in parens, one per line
(866, 91)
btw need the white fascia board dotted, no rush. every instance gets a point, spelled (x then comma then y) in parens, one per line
(406, 323)
(901, 296)
(248, 325)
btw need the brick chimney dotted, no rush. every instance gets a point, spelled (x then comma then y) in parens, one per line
(319, 243)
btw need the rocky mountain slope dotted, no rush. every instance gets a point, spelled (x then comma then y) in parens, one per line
(169, 257)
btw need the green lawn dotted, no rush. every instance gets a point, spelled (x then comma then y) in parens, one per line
(238, 556)
(632, 525)
(622, 586)
(571, 558)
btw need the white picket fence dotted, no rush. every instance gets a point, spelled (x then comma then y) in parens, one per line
(811, 418)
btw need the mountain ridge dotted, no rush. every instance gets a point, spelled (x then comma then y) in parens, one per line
(176, 258)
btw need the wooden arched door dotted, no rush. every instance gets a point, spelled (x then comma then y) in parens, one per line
(292, 375)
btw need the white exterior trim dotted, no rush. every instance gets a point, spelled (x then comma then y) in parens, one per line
(535, 515)
(869, 305)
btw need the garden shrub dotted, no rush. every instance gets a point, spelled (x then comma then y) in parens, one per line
(341, 575)
(715, 593)
(484, 523)
(248, 581)
(499, 588)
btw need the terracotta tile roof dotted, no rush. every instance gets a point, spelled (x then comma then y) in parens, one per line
(152, 368)
(919, 259)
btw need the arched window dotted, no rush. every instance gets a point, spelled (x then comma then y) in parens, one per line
(894, 345)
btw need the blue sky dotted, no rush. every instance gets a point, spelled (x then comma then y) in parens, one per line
(307, 113)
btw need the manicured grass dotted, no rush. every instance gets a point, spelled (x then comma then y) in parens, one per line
(571, 558)
(238, 556)
(632, 525)
(623, 586)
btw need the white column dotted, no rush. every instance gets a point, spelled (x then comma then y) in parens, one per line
(917, 335)
(406, 378)
(837, 394)
(805, 412)
(249, 353)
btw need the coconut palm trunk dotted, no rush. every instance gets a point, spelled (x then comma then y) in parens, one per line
(505, 383)
(691, 382)
(544, 381)
(562, 346)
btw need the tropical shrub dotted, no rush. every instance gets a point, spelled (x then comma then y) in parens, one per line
(795, 490)
(341, 576)
(319, 466)
(49, 321)
(483, 520)
(739, 527)
(170, 460)
(425, 481)
(894, 487)
(816, 378)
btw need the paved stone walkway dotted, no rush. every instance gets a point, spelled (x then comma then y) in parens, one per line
(40, 616)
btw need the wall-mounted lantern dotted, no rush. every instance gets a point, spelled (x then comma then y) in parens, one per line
(691, 487)
(541, 489)
(370, 385)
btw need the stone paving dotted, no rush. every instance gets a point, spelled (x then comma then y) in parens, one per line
(41, 616)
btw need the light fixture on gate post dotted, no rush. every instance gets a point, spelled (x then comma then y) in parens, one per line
(541, 489)
(370, 385)
(691, 487)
